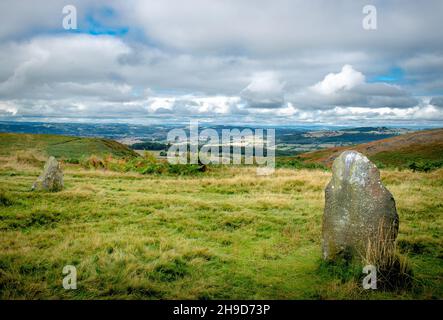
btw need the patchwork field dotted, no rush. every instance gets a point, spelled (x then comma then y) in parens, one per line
(222, 234)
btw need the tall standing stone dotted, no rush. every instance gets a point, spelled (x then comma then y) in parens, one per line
(360, 213)
(52, 177)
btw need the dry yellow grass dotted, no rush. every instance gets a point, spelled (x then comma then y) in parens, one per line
(226, 233)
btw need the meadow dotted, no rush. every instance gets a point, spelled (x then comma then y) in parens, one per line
(221, 234)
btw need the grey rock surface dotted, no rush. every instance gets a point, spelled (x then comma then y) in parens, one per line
(360, 213)
(52, 177)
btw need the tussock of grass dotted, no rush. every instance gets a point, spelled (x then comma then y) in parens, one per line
(5, 199)
(29, 157)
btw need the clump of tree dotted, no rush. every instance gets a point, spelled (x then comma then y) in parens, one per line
(150, 145)
(146, 164)
(297, 163)
(425, 165)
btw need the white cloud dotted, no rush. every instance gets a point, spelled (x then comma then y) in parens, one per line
(348, 88)
(194, 105)
(46, 62)
(264, 91)
(346, 79)
(8, 108)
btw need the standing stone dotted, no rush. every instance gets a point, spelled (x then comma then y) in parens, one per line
(52, 177)
(360, 214)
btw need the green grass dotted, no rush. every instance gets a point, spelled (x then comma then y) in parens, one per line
(224, 234)
(296, 163)
(61, 146)
(402, 158)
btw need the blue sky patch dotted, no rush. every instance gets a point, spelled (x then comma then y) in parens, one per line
(395, 75)
(95, 23)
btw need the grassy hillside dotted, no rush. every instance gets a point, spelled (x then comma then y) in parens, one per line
(66, 147)
(223, 234)
(398, 151)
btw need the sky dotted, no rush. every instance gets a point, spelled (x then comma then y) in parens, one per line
(223, 61)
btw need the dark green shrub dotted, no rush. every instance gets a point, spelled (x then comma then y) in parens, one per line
(395, 275)
(171, 271)
(72, 161)
(154, 168)
(92, 162)
(380, 165)
(298, 164)
(146, 164)
(186, 169)
(343, 269)
(5, 199)
(425, 165)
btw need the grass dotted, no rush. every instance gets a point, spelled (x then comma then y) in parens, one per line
(402, 158)
(421, 150)
(224, 234)
(61, 146)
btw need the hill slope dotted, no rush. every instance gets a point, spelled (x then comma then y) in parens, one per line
(227, 234)
(396, 151)
(61, 146)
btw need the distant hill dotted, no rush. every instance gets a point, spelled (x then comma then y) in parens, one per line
(67, 147)
(398, 151)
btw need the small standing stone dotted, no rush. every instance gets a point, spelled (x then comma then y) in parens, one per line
(52, 177)
(360, 213)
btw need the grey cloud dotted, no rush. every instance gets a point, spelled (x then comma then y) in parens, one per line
(437, 101)
(284, 26)
(265, 91)
(163, 111)
(202, 49)
(348, 88)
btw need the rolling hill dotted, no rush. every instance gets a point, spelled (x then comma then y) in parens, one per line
(222, 234)
(67, 147)
(397, 151)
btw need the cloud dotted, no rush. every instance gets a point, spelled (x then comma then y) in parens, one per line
(8, 108)
(284, 26)
(58, 61)
(261, 61)
(194, 105)
(437, 101)
(348, 88)
(346, 79)
(264, 91)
